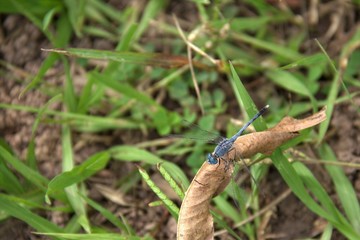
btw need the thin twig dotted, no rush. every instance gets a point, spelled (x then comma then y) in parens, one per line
(196, 86)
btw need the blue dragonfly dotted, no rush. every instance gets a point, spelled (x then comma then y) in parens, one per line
(225, 145)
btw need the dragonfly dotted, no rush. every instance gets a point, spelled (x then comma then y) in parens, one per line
(225, 145)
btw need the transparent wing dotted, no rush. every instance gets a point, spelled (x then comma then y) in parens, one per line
(196, 133)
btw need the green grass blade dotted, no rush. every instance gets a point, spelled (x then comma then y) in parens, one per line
(99, 33)
(69, 92)
(80, 121)
(72, 191)
(327, 233)
(133, 154)
(336, 82)
(151, 59)
(19, 6)
(282, 51)
(31, 175)
(88, 97)
(320, 194)
(123, 46)
(308, 61)
(49, 17)
(94, 236)
(79, 173)
(63, 33)
(76, 10)
(25, 215)
(151, 10)
(218, 220)
(9, 182)
(343, 187)
(171, 181)
(127, 38)
(45, 66)
(107, 10)
(31, 159)
(35, 200)
(93, 13)
(122, 225)
(244, 98)
(330, 102)
(122, 88)
(227, 209)
(62, 38)
(73, 226)
(170, 205)
(288, 81)
(22, 7)
(293, 180)
(240, 24)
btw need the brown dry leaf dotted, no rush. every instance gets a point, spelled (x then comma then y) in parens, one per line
(195, 220)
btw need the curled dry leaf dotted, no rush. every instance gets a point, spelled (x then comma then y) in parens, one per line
(195, 220)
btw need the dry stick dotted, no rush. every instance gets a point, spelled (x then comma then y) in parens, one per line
(196, 86)
(193, 77)
(332, 163)
(260, 232)
(276, 236)
(154, 143)
(299, 156)
(336, 19)
(282, 196)
(192, 46)
(313, 13)
(307, 160)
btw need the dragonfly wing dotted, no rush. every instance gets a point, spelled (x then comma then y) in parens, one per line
(198, 134)
(190, 136)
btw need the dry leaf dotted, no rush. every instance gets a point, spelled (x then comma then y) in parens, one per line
(195, 220)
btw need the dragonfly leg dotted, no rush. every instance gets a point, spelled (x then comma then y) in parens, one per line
(218, 161)
(227, 165)
(231, 149)
(246, 167)
(226, 161)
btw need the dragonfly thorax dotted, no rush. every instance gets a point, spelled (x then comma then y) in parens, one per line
(223, 147)
(220, 150)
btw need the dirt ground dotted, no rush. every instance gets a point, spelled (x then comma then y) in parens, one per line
(20, 44)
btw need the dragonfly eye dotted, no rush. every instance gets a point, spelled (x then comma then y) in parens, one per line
(212, 159)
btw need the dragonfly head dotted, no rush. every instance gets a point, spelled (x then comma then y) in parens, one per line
(211, 159)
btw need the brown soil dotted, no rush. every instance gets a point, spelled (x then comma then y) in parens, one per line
(20, 44)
